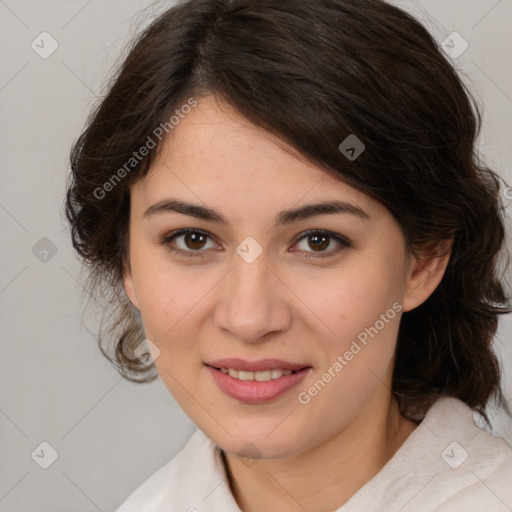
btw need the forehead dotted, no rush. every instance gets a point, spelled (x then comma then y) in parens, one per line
(216, 156)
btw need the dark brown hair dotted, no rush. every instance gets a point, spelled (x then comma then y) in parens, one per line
(312, 73)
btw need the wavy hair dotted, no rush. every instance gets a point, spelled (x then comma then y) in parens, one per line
(312, 73)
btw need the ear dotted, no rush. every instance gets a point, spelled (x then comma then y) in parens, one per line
(424, 275)
(129, 287)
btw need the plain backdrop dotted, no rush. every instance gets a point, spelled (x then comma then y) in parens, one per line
(109, 434)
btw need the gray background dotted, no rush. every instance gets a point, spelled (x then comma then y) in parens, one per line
(111, 434)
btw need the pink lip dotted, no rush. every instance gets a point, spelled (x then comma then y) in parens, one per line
(256, 366)
(255, 392)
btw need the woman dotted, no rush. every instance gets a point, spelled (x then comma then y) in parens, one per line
(282, 205)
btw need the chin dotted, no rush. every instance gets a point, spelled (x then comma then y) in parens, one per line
(258, 446)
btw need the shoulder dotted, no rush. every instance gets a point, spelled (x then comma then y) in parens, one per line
(185, 482)
(477, 474)
(447, 464)
(468, 468)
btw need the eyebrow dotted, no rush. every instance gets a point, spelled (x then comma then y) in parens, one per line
(282, 218)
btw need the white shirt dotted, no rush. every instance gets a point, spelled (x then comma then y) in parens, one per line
(446, 464)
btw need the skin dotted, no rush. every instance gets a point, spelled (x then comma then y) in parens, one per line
(282, 305)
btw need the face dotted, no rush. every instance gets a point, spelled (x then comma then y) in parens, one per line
(321, 290)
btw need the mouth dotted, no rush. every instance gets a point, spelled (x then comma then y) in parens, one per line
(256, 385)
(238, 364)
(259, 376)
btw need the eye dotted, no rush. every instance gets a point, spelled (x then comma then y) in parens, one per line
(320, 240)
(194, 240)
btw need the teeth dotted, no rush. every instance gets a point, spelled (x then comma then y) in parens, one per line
(258, 376)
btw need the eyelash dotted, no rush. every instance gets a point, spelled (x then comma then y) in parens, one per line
(338, 238)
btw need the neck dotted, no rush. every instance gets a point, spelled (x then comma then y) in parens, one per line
(339, 466)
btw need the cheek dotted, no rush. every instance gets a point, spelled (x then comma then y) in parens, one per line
(170, 301)
(363, 314)
(165, 307)
(354, 298)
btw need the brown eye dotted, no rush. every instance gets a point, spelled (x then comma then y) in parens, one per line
(194, 240)
(186, 242)
(319, 241)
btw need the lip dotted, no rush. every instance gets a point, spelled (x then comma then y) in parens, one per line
(256, 366)
(257, 392)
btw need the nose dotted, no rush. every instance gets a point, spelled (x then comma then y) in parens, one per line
(252, 301)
